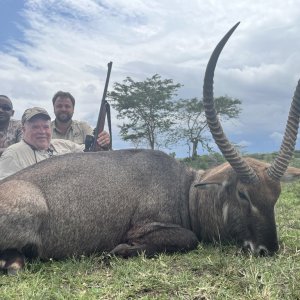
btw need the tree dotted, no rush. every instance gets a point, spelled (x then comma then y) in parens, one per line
(145, 107)
(192, 122)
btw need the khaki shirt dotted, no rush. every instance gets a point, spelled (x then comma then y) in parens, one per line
(21, 155)
(75, 133)
(11, 135)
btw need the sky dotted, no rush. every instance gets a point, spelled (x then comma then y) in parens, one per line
(46, 46)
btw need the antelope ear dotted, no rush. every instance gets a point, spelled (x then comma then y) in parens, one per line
(208, 185)
(291, 174)
(214, 184)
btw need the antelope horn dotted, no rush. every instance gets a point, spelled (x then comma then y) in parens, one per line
(243, 170)
(281, 162)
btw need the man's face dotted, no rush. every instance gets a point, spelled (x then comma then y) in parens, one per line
(6, 111)
(63, 109)
(37, 133)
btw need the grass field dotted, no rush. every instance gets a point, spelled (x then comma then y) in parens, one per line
(210, 272)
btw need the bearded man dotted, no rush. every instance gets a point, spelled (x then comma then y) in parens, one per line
(64, 127)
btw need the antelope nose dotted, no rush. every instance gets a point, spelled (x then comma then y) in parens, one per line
(263, 251)
(246, 248)
(260, 250)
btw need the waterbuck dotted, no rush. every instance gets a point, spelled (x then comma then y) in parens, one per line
(132, 201)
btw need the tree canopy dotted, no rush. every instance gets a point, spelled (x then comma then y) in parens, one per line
(152, 117)
(192, 122)
(146, 108)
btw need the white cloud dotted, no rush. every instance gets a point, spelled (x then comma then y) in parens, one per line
(244, 144)
(68, 44)
(276, 137)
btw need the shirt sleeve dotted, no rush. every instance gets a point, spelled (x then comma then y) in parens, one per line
(66, 146)
(8, 166)
(77, 147)
(88, 130)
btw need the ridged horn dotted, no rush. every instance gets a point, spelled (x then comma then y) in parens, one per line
(281, 162)
(243, 170)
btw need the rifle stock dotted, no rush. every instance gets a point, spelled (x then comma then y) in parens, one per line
(104, 109)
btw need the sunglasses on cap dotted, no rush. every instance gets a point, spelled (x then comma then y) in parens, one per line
(5, 107)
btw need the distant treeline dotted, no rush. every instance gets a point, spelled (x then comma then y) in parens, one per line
(269, 157)
(213, 159)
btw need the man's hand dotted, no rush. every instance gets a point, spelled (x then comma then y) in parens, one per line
(103, 141)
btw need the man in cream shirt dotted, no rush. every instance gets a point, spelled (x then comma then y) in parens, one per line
(37, 145)
(64, 127)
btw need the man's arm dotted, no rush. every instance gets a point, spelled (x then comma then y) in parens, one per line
(8, 166)
(103, 143)
(87, 129)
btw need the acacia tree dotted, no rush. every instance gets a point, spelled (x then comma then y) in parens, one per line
(192, 123)
(146, 107)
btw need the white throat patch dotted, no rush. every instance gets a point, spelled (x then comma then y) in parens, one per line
(225, 212)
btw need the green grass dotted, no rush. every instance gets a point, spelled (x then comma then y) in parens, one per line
(209, 272)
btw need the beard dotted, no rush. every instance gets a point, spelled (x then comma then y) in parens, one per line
(64, 117)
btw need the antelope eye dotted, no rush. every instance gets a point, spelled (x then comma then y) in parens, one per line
(243, 196)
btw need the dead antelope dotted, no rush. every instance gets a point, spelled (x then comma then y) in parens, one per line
(146, 201)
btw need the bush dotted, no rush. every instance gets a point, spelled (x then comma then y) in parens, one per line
(204, 161)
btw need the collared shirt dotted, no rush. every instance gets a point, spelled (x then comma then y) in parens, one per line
(11, 135)
(76, 133)
(21, 155)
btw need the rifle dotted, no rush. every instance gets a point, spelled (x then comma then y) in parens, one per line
(91, 141)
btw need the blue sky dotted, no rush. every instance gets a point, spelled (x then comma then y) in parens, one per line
(10, 17)
(47, 46)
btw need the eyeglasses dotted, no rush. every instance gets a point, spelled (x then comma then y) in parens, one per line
(5, 107)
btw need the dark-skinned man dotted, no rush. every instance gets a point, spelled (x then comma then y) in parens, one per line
(10, 129)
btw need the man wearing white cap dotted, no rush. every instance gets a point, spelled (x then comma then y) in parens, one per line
(37, 145)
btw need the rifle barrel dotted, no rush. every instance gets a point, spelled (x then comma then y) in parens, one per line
(102, 111)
